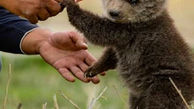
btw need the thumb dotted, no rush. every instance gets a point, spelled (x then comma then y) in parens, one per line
(79, 41)
(81, 44)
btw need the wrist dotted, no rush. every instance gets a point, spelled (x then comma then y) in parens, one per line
(33, 41)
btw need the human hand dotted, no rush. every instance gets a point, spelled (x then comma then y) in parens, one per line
(33, 10)
(56, 53)
(76, 62)
(78, 0)
(68, 41)
(67, 56)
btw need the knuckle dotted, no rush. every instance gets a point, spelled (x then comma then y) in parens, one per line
(75, 71)
(29, 13)
(33, 21)
(32, 12)
(55, 9)
(54, 13)
(47, 15)
(36, 7)
(44, 18)
(57, 65)
(63, 71)
(60, 70)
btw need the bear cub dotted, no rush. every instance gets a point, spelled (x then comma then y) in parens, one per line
(143, 44)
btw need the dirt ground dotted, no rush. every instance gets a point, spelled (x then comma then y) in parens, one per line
(182, 11)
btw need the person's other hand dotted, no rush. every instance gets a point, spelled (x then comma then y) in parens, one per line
(65, 51)
(33, 10)
(77, 0)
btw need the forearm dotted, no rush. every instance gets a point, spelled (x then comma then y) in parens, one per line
(12, 29)
(97, 30)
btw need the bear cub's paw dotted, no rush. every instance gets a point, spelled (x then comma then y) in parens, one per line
(91, 72)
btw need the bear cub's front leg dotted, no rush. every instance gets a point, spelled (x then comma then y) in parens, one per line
(107, 61)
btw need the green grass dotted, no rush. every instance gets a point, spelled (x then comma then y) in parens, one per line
(34, 82)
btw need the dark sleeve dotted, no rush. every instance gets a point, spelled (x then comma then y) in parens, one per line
(12, 30)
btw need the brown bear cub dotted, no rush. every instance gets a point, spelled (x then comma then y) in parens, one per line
(143, 43)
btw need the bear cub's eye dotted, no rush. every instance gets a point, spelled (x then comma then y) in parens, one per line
(133, 1)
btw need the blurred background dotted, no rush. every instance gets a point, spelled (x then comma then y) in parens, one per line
(34, 83)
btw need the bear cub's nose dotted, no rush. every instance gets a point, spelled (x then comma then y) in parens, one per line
(114, 14)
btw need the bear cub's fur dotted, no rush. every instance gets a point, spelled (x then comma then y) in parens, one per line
(143, 43)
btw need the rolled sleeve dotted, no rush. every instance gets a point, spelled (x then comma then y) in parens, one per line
(12, 31)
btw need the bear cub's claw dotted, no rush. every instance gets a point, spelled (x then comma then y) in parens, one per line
(90, 72)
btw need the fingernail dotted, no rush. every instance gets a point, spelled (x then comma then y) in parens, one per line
(103, 74)
(96, 82)
(82, 45)
(85, 45)
(87, 81)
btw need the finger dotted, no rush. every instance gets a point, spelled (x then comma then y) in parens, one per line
(61, 64)
(78, 73)
(77, 1)
(66, 74)
(83, 67)
(82, 45)
(63, 40)
(62, 6)
(33, 19)
(43, 14)
(60, 2)
(53, 7)
(103, 73)
(78, 40)
(95, 80)
(89, 60)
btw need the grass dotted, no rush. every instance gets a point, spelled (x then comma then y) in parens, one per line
(37, 85)
(34, 83)
(7, 88)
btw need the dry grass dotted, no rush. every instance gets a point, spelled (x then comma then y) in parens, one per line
(44, 105)
(56, 106)
(94, 100)
(69, 100)
(19, 106)
(180, 94)
(28, 71)
(7, 88)
(118, 93)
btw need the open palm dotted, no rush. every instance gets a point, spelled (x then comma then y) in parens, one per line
(64, 60)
